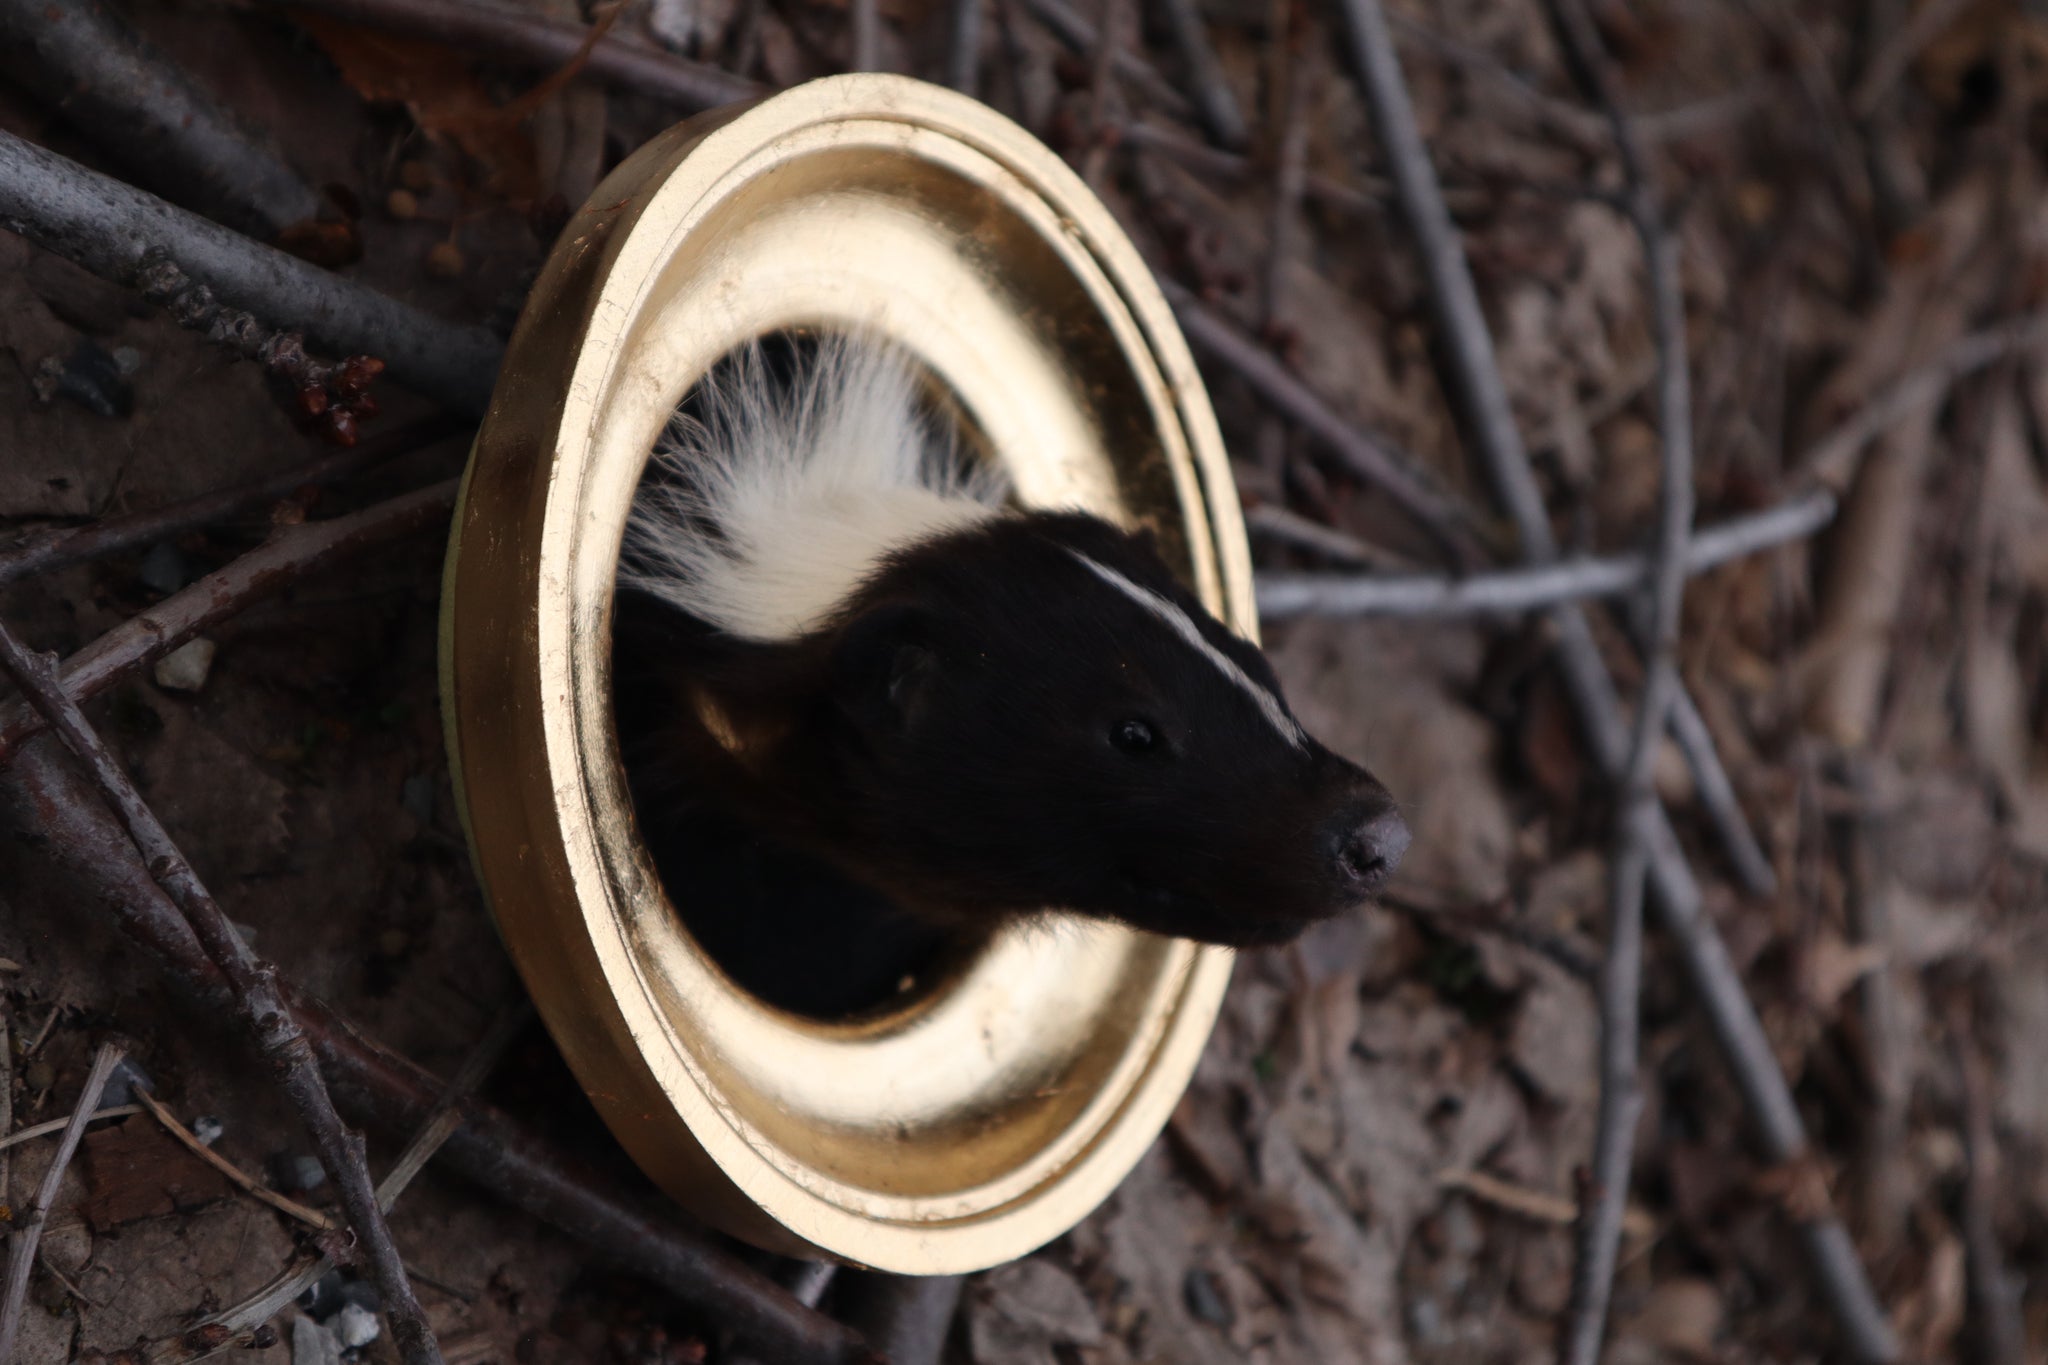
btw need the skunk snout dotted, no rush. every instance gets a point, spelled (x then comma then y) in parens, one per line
(1366, 846)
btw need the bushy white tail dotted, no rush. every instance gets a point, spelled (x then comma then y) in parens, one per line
(766, 508)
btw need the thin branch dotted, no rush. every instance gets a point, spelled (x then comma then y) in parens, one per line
(963, 47)
(866, 20)
(84, 60)
(28, 1231)
(115, 231)
(1079, 34)
(264, 1013)
(51, 805)
(1891, 60)
(906, 1316)
(241, 1179)
(284, 559)
(1291, 528)
(37, 1130)
(1391, 472)
(1621, 977)
(534, 42)
(1996, 1315)
(1675, 893)
(1214, 99)
(295, 1279)
(46, 550)
(1513, 591)
(1831, 461)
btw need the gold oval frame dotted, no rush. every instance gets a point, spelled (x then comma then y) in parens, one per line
(979, 1122)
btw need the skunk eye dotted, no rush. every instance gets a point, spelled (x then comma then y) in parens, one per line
(1133, 737)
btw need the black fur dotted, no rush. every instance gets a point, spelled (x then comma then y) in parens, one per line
(958, 739)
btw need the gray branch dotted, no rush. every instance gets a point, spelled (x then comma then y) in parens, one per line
(111, 229)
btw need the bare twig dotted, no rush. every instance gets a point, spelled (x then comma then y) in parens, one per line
(1994, 1294)
(84, 59)
(295, 1279)
(963, 47)
(1214, 100)
(290, 553)
(1676, 894)
(266, 1017)
(866, 19)
(236, 1176)
(36, 1130)
(1891, 60)
(21, 1243)
(53, 549)
(1831, 461)
(1380, 465)
(1511, 591)
(1534, 1205)
(531, 41)
(7, 1135)
(115, 231)
(1621, 976)
(1305, 533)
(1360, 200)
(50, 804)
(1079, 34)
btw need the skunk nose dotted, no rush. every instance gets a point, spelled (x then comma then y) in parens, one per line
(1369, 851)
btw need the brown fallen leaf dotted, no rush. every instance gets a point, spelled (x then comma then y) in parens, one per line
(443, 95)
(135, 1170)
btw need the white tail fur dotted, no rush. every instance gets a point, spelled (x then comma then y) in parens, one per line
(769, 507)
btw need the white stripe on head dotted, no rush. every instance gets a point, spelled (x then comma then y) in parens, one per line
(1165, 609)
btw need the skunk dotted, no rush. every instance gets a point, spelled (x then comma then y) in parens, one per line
(836, 644)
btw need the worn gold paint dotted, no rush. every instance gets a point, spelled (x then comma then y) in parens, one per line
(994, 1111)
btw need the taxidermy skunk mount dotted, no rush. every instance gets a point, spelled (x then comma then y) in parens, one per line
(867, 708)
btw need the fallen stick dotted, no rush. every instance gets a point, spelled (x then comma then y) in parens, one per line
(235, 1175)
(527, 40)
(1283, 596)
(265, 1016)
(1675, 893)
(1621, 976)
(1213, 99)
(112, 229)
(1377, 464)
(289, 554)
(52, 805)
(82, 58)
(54, 549)
(28, 1231)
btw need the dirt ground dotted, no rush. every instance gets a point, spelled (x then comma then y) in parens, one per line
(1380, 1154)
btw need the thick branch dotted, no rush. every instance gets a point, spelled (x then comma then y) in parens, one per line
(111, 229)
(82, 58)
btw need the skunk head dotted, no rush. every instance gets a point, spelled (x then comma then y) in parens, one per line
(1032, 713)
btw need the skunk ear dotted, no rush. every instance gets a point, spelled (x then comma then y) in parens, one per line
(885, 665)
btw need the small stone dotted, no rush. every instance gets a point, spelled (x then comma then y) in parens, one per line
(207, 1129)
(185, 668)
(1205, 1300)
(127, 359)
(355, 1326)
(445, 260)
(307, 1173)
(163, 568)
(40, 1075)
(126, 1078)
(417, 796)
